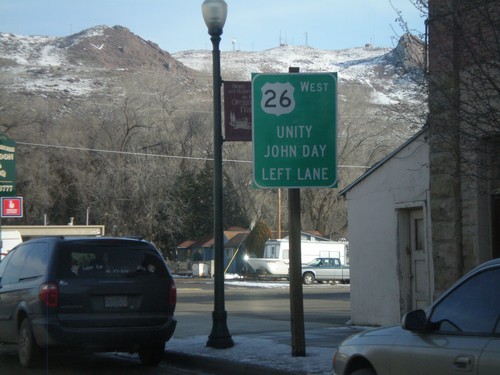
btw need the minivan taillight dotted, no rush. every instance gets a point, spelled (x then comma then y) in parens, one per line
(49, 294)
(173, 294)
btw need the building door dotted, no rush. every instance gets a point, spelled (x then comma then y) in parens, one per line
(419, 261)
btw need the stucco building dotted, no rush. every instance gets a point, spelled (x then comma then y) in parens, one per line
(389, 235)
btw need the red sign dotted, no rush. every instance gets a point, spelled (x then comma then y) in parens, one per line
(238, 111)
(12, 207)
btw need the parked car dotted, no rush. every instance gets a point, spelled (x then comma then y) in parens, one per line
(325, 269)
(94, 294)
(458, 334)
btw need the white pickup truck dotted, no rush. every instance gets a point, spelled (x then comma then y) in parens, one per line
(325, 269)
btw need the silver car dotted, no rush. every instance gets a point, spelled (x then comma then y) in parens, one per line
(458, 334)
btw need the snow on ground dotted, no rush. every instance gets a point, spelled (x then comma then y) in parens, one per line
(352, 63)
(367, 66)
(41, 66)
(269, 349)
(260, 284)
(237, 280)
(31, 50)
(382, 98)
(260, 351)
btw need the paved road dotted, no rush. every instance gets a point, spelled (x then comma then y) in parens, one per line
(96, 364)
(252, 308)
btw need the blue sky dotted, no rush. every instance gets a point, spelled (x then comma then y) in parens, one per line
(177, 25)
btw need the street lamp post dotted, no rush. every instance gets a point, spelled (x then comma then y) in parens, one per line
(214, 14)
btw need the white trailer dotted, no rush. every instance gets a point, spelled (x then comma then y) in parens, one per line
(275, 262)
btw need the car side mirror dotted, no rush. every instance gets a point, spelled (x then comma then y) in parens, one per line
(415, 320)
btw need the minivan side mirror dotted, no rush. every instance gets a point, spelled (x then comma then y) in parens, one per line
(415, 320)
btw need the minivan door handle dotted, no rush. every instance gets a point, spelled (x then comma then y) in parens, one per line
(464, 363)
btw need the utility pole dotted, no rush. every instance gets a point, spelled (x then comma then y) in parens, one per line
(295, 258)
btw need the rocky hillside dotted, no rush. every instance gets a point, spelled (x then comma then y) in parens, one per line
(97, 60)
(391, 76)
(83, 64)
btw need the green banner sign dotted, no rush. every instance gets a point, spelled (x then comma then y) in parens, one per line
(7, 167)
(295, 130)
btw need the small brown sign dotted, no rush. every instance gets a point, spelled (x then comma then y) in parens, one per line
(238, 111)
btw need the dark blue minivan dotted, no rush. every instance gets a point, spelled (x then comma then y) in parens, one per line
(94, 294)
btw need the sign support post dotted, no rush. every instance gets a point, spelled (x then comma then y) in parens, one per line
(295, 258)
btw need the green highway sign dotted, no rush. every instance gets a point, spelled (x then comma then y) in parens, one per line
(7, 166)
(294, 124)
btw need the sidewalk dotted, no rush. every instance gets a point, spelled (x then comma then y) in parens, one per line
(261, 353)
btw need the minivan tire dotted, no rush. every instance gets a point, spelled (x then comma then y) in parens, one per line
(152, 355)
(29, 353)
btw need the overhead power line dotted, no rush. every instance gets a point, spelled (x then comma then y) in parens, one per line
(134, 153)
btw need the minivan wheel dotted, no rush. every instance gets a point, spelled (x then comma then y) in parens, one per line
(30, 354)
(151, 355)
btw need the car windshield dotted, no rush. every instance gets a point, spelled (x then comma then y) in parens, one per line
(109, 261)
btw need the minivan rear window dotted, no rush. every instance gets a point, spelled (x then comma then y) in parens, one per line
(102, 261)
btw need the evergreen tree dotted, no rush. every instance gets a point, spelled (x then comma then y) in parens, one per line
(257, 238)
(194, 193)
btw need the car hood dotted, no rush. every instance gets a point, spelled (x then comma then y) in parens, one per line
(375, 336)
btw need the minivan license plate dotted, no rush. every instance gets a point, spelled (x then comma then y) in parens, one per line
(113, 302)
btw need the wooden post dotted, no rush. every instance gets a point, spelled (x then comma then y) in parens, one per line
(295, 270)
(296, 295)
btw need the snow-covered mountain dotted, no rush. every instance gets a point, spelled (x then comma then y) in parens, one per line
(382, 69)
(77, 65)
(74, 65)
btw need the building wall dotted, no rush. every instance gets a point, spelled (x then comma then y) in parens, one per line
(463, 41)
(373, 204)
(444, 145)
